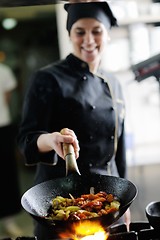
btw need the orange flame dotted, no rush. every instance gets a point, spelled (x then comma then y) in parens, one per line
(85, 230)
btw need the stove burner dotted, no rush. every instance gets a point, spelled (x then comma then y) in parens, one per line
(137, 231)
(124, 236)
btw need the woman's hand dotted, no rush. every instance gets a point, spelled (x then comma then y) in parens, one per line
(53, 141)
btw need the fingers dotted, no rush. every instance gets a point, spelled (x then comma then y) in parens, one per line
(76, 148)
(53, 141)
(67, 131)
(70, 133)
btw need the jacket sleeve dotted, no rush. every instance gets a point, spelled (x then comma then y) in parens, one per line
(37, 115)
(120, 158)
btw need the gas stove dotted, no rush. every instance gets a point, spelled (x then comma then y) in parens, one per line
(137, 231)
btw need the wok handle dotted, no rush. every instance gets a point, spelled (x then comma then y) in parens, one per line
(71, 162)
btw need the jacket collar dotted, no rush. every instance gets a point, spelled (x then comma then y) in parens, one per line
(77, 63)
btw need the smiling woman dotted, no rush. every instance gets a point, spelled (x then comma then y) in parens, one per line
(75, 93)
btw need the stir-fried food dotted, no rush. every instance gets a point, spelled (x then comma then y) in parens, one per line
(84, 207)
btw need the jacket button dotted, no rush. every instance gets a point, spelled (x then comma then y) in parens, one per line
(112, 137)
(84, 78)
(112, 108)
(91, 137)
(93, 107)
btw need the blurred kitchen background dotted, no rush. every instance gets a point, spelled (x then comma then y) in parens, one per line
(33, 36)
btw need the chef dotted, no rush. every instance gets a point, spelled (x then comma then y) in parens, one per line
(75, 94)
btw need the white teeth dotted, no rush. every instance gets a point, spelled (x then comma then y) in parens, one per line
(89, 50)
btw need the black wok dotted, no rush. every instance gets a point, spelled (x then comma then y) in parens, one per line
(36, 201)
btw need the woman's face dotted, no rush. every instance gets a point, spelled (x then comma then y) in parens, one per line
(88, 37)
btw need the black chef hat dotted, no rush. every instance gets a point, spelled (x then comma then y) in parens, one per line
(98, 10)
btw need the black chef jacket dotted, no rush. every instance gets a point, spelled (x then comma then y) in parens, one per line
(67, 94)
